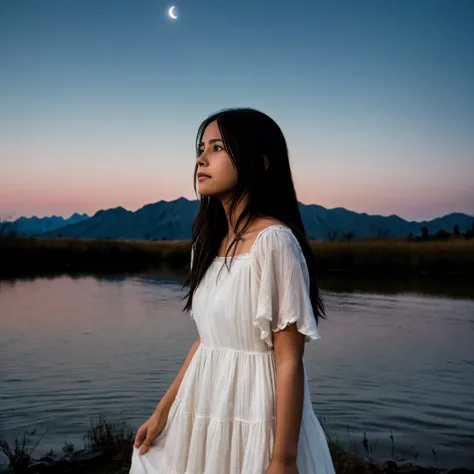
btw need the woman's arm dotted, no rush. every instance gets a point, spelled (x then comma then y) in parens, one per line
(289, 350)
(168, 398)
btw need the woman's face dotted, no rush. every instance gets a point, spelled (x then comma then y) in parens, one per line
(214, 162)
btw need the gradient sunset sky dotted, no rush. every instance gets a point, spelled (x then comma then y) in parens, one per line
(100, 100)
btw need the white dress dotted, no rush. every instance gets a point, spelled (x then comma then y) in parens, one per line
(223, 418)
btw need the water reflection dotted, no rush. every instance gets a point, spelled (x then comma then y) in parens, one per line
(450, 286)
(396, 356)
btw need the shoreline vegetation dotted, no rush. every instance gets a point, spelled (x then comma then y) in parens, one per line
(38, 256)
(108, 449)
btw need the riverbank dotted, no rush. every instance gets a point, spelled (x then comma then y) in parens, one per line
(109, 445)
(35, 256)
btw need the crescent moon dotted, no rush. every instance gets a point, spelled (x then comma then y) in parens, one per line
(171, 14)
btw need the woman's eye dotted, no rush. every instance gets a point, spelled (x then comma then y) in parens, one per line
(214, 148)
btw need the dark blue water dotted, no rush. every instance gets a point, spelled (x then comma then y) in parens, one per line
(389, 363)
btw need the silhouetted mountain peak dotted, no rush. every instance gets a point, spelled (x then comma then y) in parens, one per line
(77, 215)
(119, 209)
(172, 220)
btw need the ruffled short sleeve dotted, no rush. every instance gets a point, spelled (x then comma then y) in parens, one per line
(283, 285)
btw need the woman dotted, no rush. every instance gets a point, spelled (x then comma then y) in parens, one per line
(240, 403)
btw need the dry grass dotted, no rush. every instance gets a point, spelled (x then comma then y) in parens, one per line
(38, 256)
(29, 255)
(19, 457)
(112, 441)
(455, 256)
(115, 438)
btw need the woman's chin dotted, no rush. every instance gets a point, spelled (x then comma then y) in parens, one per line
(211, 191)
(204, 190)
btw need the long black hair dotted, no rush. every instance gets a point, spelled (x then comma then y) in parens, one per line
(249, 135)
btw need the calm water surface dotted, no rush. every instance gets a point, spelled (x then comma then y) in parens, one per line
(390, 362)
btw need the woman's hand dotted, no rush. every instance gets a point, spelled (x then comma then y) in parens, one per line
(282, 467)
(149, 431)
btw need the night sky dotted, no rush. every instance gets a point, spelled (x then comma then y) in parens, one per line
(100, 100)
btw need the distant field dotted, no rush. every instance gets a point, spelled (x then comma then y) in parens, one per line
(33, 256)
(454, 256)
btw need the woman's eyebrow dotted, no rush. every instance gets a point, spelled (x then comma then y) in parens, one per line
(212, 140)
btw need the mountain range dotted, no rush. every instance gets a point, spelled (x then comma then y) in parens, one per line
(39, 225)
(172, 220)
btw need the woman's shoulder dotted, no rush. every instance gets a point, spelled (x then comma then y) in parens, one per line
(261, 223)
(273, 235)
(264, 225)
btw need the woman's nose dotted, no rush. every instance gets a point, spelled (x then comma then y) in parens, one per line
(202, 158)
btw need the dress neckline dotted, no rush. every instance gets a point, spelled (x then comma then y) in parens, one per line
(247, 254)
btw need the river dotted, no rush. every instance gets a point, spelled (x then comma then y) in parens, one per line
(396, 360)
